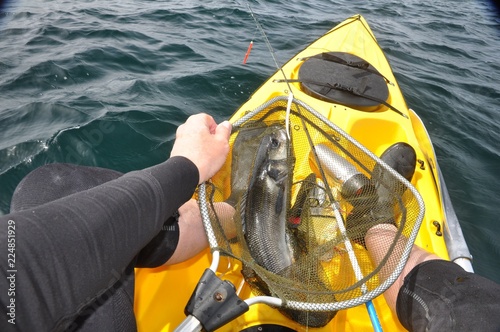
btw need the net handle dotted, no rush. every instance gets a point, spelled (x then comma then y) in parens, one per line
(205, 217)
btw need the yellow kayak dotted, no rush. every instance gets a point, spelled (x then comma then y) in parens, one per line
(377, 120)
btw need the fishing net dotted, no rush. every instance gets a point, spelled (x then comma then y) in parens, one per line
(294, 205)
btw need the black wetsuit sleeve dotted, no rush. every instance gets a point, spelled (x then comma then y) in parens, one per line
(69, 251)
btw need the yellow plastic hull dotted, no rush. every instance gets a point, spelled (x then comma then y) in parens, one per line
(161, 294)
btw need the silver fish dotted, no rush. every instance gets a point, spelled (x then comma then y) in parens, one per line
(264, 211)
(267, 202)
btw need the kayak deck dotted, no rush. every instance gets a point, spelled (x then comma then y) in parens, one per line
(162, 293)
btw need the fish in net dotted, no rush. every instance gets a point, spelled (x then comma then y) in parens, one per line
(300, 199)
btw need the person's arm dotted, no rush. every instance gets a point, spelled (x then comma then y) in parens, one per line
(71, 250)
(192, 236)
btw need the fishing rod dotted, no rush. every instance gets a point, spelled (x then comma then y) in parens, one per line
(369, 304)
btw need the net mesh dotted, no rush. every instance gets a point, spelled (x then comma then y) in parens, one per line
(294, 210)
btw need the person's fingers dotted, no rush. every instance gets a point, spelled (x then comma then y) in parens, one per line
(204, 142)
(223, 130)
(212, 125)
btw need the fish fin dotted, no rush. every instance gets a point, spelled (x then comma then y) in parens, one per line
(276, 171)
(280, 200)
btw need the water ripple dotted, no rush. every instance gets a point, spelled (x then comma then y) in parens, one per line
(106, 83)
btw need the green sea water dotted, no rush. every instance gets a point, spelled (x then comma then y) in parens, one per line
(106, 83)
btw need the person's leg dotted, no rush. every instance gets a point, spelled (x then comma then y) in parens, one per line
(432, 294)
(440, 295)
(53, 181)
(378, 240)
(112, 310)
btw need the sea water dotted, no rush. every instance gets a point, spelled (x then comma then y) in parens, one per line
(106, 83)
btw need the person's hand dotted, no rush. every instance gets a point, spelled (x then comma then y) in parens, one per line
(203, 142)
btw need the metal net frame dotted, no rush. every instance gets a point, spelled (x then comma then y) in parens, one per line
(329, 268)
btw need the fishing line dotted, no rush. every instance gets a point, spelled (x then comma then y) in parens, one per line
(278, 67)
(268, 44)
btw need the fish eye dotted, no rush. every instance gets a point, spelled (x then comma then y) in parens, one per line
(275, 143)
